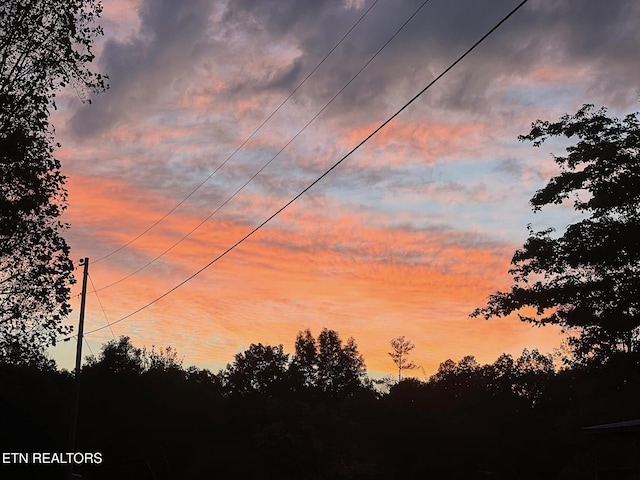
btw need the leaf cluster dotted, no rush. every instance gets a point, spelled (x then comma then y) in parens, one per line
(46, 45)
(35, 269)
(121, 357)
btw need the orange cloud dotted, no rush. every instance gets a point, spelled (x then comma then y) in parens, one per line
(310, 268)
(412, 141)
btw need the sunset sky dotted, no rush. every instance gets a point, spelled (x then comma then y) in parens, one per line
(406, 237)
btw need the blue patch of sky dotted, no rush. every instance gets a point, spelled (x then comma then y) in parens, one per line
(548, 96)
(465, 195)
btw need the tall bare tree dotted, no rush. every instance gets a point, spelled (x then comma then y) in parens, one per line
(401, 350)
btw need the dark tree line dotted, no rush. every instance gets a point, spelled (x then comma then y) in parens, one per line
(266, 416)
(325, 365)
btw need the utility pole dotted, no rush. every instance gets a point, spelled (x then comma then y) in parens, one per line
(76, 403)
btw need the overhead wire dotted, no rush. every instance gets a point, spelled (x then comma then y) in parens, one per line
(95, 291)
(269, 117)
(329, 170)
(265, 165)
(88, 346)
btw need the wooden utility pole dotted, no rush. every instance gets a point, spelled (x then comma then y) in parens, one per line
(76, 403)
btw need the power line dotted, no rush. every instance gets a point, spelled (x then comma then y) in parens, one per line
(241, 145)
(335, 165)
(265, 165)
(101, 306)
(88, 346)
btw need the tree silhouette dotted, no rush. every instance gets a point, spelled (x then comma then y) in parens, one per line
(459, 378)
(35, 270)
(161, 359)
(401, 350)
(259, 369)
(304, 365)
(586, 280)
(340, 368)
(326, 364)
(44, 46)
(118, 357)
(532, 370)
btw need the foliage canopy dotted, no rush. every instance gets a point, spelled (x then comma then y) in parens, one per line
(588, 279)
(44, 46)
(327, 364)
(260, 369)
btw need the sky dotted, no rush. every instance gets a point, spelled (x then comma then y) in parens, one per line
(407, 236)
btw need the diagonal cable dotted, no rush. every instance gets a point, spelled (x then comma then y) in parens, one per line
(241, 145)
(101, 306)
(265, 165)
(334, 166)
